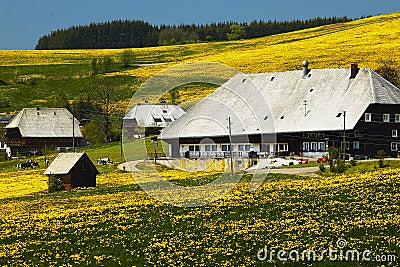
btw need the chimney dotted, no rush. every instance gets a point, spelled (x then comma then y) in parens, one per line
(354, 70)
(306, 70)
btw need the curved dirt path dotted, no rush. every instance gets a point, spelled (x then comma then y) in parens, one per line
(130, 166)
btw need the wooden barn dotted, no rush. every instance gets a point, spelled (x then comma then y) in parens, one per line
(33, 130)
(75, 169)
(301, 112)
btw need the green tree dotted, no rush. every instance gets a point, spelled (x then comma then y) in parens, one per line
(61, 100)
(334, 154)
(126, 57)
(236, 32)
(55, 183)
(94, 133)
(105, 94)
(93, 65)
(107, 64)
(102, 65)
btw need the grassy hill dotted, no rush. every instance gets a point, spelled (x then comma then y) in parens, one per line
(28, 78)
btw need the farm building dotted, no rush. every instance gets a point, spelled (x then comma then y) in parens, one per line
(75, 169)
(33, 130)
(301, 112)
(4, 121)
(149, 119)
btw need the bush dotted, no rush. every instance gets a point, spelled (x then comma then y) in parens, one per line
(55, 183)
(353, 162)
(380, 154)
(340, 166)
(322, 167)
(126, 57)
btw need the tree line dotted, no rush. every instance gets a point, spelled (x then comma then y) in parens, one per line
(138, 33)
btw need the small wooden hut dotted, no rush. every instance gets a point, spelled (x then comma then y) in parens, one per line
(75, 169)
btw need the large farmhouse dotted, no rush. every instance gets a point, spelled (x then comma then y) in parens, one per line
(34, 129)
(149, 119)
(301, 112)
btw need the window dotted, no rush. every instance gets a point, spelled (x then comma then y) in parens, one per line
(356, 145)
(367, 117)
(247, 147)
(240, 147)
(207, 148)
(397, 118)
(394, 133)
(347, 145)
(224, 147)
(167, 120)
(283, 147)
(214, 148)
(321, 146)
(394, 146)
(386, 117)
(157, 120)
(197, 148)
(313, 146)
(191, 148)
(306, 146)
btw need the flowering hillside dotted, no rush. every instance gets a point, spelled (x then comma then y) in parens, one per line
(118, 224)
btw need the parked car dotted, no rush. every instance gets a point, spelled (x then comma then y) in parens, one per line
(323, 159)
(303, 161)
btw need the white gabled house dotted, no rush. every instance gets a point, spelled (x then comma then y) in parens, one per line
(148, 119)
(34, 129)
(301, 112)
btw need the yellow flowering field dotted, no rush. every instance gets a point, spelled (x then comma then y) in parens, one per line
(366, 41)
(118, 224)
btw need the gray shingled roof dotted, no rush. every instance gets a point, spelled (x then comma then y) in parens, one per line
(45, 122)
(383, 91)
(146, 113)
(63, 163)
(274, 103)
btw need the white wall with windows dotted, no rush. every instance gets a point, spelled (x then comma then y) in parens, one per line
(219, 147)
(209, 149)
(314, 146)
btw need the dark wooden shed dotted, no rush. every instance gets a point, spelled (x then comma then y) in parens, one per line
(75, 169)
